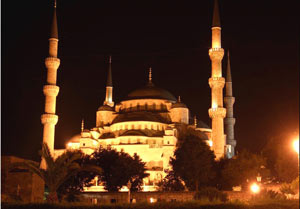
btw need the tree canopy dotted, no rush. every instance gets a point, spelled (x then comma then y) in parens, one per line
(119, 168)
(193, 160)
(244, 167)
(58, 170)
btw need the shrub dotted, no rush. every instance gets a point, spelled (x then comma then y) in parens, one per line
(287, 189)
(271, 195)
(211, 193)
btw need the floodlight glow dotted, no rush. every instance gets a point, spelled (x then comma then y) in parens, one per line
(254, 188)
(296, 145)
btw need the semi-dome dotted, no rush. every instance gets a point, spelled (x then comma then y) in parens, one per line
(151, 92)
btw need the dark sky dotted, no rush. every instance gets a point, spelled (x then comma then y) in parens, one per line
(173, 38)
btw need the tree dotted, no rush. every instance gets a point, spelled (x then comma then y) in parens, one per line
(58, 170)
(286, 167)
(171, 183)
(281, 157)
(193, 160)
(244, 167)
(119, 168)
(73, 186)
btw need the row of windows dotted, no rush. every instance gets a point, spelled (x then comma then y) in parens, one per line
(145, 106)
(158, 127)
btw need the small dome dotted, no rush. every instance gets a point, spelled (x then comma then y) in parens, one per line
(179, 105)
(75, 138)
(151, 92)
(105, 108)
(201, 124)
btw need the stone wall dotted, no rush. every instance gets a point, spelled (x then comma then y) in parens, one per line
(122, 197)
(19, 184)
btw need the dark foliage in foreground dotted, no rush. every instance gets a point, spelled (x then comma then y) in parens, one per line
(176, 205)
(212, 194)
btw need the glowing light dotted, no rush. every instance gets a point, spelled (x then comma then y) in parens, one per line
(210, 143)
(95, 143)
(214, 105)
(152, 200)
(296, 145)
(255, 188)
(70, 144)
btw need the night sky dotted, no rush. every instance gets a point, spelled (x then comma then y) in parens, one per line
(173, 38)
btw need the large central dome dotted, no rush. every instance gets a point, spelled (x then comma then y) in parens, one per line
(151, 92)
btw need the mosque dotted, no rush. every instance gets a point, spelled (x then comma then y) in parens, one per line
(147, 121)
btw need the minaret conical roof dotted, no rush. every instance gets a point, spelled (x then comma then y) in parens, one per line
(109, 75)
(228, 75)
(54, 31)
(216, 16)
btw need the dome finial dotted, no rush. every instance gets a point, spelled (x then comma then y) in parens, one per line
(82, 125)
(195, 121)
(54, 31)
(179, 99)
(150, 75)
(109, 59)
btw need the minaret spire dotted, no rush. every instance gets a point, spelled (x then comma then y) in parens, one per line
(216, 16)
(109, 86)
(216, 83)
(228, 75)
(54, 31)
(229, 120)
(49, 119)
(109, 75)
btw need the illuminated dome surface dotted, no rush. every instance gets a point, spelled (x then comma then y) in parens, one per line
(151, 92)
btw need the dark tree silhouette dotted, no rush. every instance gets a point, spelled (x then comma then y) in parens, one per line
(193, 160)
(244, 167)
(119, 168)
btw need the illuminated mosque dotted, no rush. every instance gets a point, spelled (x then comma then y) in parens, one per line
(147, 121)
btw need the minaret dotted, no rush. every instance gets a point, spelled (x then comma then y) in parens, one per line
(229, 120)
(49, 118)
(216, 83)
(109, 87)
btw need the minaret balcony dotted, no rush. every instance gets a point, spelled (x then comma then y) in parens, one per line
(52, 62)
(216, 82)
(218, 112)
(49, 118)
(229, 101)
(51, 90)
(229, 121)
(216, 53)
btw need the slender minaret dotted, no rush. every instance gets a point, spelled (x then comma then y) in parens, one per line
(216, 83)
(49, 118)
(229, 120)
(109, 87)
